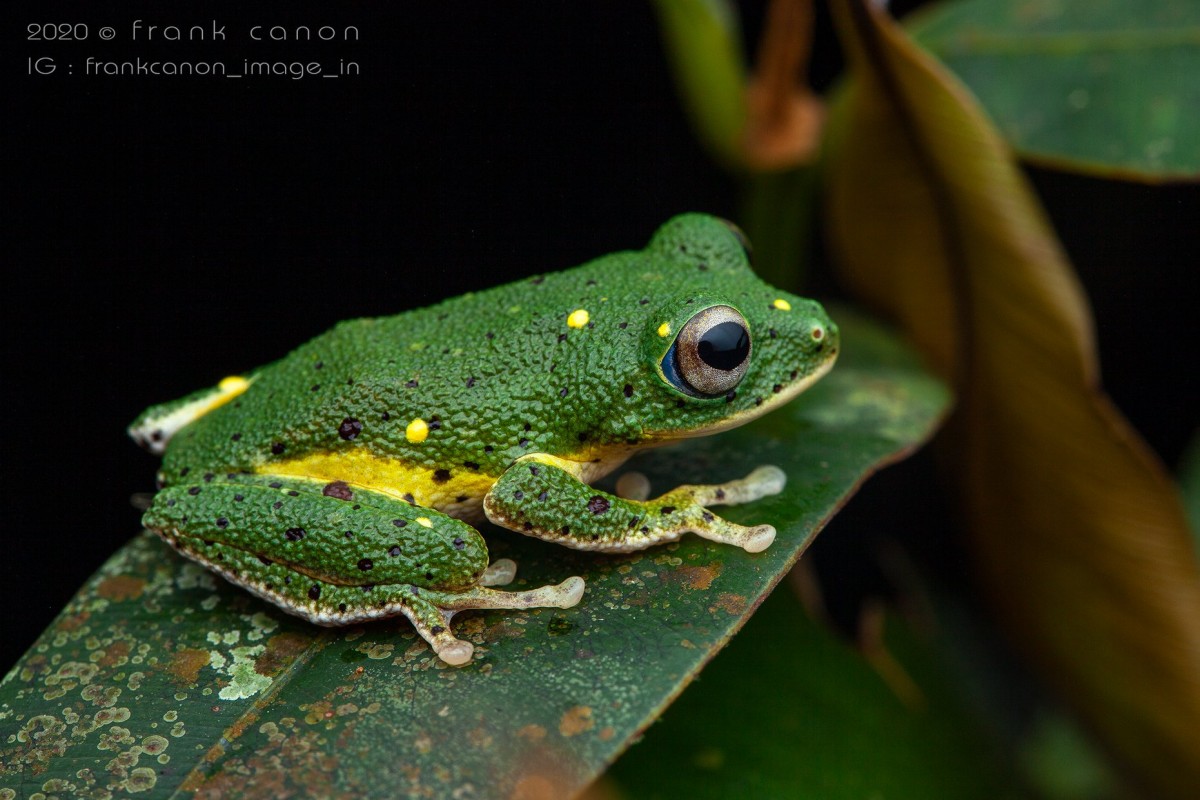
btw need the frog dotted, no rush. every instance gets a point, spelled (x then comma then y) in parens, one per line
(348, 481)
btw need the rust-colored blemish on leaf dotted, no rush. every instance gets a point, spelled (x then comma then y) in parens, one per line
(74, 622)
(185, 665)
(575, 721)
(479, 738)
(533, 733)
(282, 649)
(116, 653)
(606, 733)
(698, 577)
(730, 603)
(538, 787)
(121, 587)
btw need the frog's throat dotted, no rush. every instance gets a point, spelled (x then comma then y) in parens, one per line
(770, 403)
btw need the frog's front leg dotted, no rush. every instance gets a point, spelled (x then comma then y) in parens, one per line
(543, 496)
(336, 554)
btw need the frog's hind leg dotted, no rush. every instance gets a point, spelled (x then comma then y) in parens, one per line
(544, 497)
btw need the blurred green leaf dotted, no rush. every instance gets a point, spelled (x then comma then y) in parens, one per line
(1078, 533)
(1099, 86)
(159, 675)
(703, 41)
(790, 710)
(1189, 479)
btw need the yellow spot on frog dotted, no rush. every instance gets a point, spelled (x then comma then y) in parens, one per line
(664, 329)
(578, 318)
(416, 431)
(234, 384)
(782, 305)
(424, 522)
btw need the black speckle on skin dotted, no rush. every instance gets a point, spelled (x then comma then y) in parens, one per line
(275, 485)
(294, 534)
(394, 550)
(487, 448)
(720, 494)
(385, 416)
(314, 592)
(365, 564)
(462, 498)
(667, 510)
(518, 495)
(680, 403)
(412, 384)
(562, 337)
(400, 523)
(170, 503)
(633, 521)
(582, 436)
(435, 423)
(441, 475)
(758, 401)
(562, 392)
(643, 301)
(470, 382)
(794, 374)
(729, 398)
(237, 498)
(707, 516)
(566, 530)
(183, 472)
(408, 498)
(772, 333)
(350, 428)
(349, 534)
(528, 526)
(459, 544)
(777, 388)
(428, 577)
(490, 335)
(237, 437)
(193, 491)
(293, 493)
(623, 325)
(277, 448)
(436, 629)
(339, 490)
(342, 607)
(527, 426)
(319, 365)
(266, 562)
(628, 390)
(222, 522)
(598, 505)
(534, 470)
(542, 497)
(523, 442)
(471, 465)
(316, 387)
(278, 504)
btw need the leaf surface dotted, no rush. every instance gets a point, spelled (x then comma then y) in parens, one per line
(159, 676)
(1101, 86)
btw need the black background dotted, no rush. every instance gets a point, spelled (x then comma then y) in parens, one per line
(171, 231)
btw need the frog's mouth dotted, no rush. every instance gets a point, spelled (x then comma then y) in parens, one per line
(772, 401)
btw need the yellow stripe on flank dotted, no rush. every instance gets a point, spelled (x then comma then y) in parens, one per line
(389, 476)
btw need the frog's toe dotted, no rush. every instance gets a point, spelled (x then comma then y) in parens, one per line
(456, 652)
(633, 486)
(759, 538)
(767, 480)
(571, 591)
(500, 572)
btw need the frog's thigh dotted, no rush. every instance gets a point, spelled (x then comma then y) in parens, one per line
(542, 496)
(249, 531)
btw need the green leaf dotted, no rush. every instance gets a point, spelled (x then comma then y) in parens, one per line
(1099, 86)
(1189, 483)
(813, 718)
(159, 675)
(703, 40)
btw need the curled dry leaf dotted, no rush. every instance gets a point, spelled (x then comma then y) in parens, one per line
(1078, 534)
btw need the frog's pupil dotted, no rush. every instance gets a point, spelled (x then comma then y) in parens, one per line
(724, 346)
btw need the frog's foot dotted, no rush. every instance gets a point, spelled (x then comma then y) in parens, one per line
(431, 611)
(500, 572)
(542, 496)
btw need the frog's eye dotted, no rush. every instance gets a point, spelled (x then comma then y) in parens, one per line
(711, 354)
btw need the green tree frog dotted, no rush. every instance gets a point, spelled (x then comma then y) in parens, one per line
(343, 482)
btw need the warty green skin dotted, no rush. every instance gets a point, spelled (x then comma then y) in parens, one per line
(496, 375)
